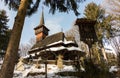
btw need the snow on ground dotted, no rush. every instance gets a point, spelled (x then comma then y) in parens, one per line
(1, 63)
(113, 68)
(42, 76)
(51, 70)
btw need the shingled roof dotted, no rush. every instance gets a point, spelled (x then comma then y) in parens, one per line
(84, 21)
(50, 39)
(54, 45)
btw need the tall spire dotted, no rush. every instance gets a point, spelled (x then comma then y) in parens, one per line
(42, 18)
(41, 31)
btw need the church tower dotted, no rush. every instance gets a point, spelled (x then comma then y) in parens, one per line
(41, 31)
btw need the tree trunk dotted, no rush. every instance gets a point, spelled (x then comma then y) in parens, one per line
(102, 50)
(104, 54)
(12, 50)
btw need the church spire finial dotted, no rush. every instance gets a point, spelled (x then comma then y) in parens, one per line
(42, 17)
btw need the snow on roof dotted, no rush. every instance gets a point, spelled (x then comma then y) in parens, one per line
(67, 42)
(74, 48)
(56, 48)
(38, 52)
(33, 54)
(26, 56)
(55, 43)
(62, 48)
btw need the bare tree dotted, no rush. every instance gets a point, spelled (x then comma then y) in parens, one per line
(115, 42)
(32, 41)
(24, 48)
(73, 32)
(112, 7)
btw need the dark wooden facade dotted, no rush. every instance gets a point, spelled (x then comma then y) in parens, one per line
(87, 30)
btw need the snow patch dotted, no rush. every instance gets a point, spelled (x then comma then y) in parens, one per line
(74, 48)
(56, 48)
(1, 61)
(68, 42)
(51, 70)
(113, 68)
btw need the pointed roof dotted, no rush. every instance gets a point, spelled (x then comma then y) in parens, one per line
(42, 23)
(42, 19)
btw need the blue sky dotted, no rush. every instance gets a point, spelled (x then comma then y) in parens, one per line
(56, 22)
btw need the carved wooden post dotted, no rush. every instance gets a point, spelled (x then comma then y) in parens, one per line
(45, 62)
(46, 69)
(60, 62)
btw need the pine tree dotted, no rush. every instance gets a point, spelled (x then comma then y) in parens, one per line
(103, 25)
(112, 8)
(4, 32)
(95, 12)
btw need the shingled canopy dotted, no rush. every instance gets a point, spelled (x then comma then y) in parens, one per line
(56, 44)
(87, 30)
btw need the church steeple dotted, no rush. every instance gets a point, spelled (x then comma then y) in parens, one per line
(42, 18)
(41, 31)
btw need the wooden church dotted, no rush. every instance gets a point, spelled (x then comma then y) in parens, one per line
(49, 47)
